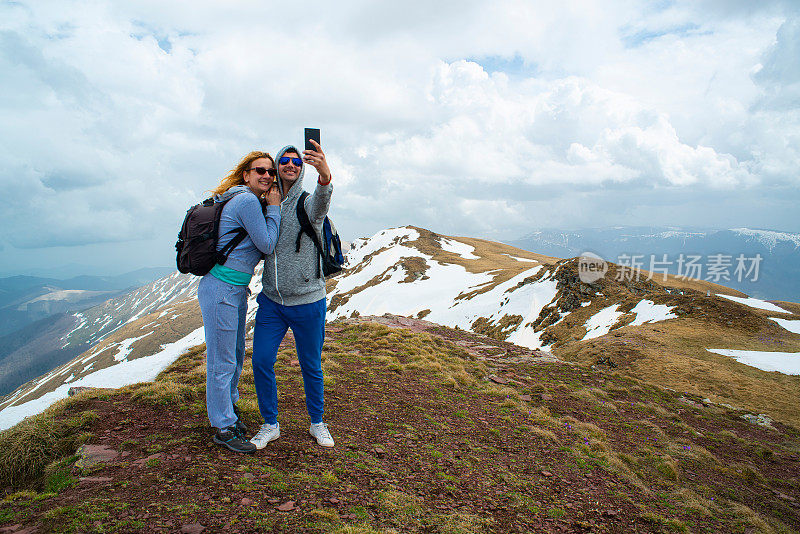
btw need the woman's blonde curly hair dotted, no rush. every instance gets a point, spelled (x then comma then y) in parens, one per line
(236, 175)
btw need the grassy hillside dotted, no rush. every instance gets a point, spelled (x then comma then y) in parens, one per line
(437, 430)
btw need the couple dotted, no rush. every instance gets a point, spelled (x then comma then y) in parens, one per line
(293, 294)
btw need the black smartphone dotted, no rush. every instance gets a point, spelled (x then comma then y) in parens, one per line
(312, 133)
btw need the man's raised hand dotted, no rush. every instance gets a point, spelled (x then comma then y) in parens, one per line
(316, 158)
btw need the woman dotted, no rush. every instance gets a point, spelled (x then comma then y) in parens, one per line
(223, 291)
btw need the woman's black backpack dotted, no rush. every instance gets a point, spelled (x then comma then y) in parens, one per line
(197, 240)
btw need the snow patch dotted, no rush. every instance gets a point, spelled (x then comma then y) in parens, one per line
(787, 363)
(125, 346)
(523, 260)
(456, 247)
(649, 312)
(791, 326)
(601, 322)
(755, 303)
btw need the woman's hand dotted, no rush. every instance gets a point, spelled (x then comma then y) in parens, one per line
(273, 195)
(316, 158)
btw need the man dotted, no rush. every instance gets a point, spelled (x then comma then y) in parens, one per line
(293, 296)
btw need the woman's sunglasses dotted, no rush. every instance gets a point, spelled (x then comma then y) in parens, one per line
(263, 170)
(286, 159)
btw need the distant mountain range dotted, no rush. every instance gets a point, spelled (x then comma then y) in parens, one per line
(26, 299)
(778, 271)
(664, 331)
(36, 313)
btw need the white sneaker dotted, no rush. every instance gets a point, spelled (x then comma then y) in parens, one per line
(321, 433)
(266, 434)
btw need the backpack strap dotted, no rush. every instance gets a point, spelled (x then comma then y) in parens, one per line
(306, 228)
(222, 255)
(241, 233)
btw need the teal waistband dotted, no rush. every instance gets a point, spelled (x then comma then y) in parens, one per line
(231, 276)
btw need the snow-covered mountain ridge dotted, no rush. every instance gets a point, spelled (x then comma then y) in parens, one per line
(511, 294)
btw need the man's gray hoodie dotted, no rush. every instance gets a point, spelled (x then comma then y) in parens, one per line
(290, 277)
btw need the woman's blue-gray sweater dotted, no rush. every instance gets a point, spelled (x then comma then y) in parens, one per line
(244, 210)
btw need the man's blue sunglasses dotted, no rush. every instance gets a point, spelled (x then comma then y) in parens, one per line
(286, 159)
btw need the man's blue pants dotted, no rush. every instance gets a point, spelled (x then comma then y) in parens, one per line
(307, 322)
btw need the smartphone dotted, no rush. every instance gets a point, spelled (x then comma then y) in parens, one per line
(311, 133)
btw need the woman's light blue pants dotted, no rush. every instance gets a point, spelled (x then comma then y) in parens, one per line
(307, 322)
(224, 309)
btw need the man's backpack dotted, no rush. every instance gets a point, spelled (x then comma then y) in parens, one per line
(198, 238)
(330, 250)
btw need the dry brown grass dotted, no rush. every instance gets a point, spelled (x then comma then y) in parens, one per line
(163, 392)
(698, 285)
(28, 447)
(792, 307)
(675, 356)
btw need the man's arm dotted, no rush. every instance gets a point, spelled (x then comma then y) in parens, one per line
(317, 204)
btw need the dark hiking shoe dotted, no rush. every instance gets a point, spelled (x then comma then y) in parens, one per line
(240, 426)
(230, 438)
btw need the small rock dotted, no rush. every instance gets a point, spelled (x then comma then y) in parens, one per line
(610, 513)
(333, 500)
(192, 528)
(546, 473)
(287, 506)
(246, 502)
(689, 402)
(545, 397)
(274, 501)
(380, 451)
(498, 379)
(249, 476)
(526, 398)
(760, 420)
(93, 454)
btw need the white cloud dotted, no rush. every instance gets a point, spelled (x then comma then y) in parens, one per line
(116, 116)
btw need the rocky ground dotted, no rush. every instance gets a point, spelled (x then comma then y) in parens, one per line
(437, 430)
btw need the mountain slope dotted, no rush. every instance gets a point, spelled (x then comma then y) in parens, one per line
(437, 430)
(145, 322)
(778, 272)
(34, 350)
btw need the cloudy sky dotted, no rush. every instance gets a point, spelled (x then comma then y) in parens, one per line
(475, 118)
